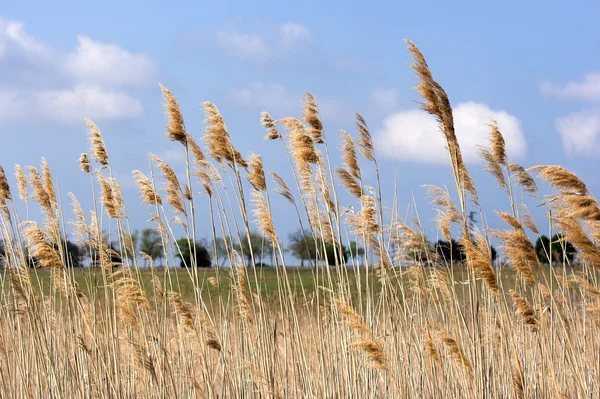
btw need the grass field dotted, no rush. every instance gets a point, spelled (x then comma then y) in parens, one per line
(409, 324)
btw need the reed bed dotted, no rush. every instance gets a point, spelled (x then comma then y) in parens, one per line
(403, 322)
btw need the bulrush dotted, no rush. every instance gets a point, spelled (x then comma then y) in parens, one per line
(217, 138)
(269, 124)
(175, 124)
(98, 148)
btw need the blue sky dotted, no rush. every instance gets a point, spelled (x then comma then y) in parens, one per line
(534, 66)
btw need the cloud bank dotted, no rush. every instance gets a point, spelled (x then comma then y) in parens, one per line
(414, 135)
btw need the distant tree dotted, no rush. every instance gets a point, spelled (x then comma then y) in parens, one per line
(304, 247)
(542, 247)
(151, 244)
(354, 251)
(187, 254)
(220, 244)
(449, 250)
(561, 249)
(260, 245)
(494, 253)
(73, 253)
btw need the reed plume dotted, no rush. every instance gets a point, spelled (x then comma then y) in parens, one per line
(84, 163)
(365, 142)
(436, 103)
(217, 138)
(98, 148)
(149, 194)
(312, 117)
(21, 183)
(173, 189)
(282, 188)
(175, 125)
(263, 220)
(269, 124)
(256, 175)
(524, 309)
(349, 155)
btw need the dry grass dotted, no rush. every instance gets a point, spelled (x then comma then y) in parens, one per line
(400, 323)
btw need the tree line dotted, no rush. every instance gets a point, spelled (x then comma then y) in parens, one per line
(258, 250)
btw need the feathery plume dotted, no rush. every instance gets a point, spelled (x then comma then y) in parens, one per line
(197, 153)
(524, 309)
(21, 183)
(40, 195)
(365, 142)
(479, 258)
(263, 219)
(349, 155)
(84, 163)
(40, 246)
(108, 198)
(520, 252)
(436, 102)
(256, 176)
(350, 182)
(174, 192)
(149, 194)
(269, 124)
(48, 182)
(217, 138)
(312, 117)
(282, 188)
(523, 178)
(98, 148)
(175, 125)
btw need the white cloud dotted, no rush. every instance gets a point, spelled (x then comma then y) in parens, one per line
(12, 107)
(41, 82)
(414, 135)
(587, 89)
(267, 96)
(580, 132)
(82, 101)
(385, 98)
(293, 33)
(98, 62)
(244, 45)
